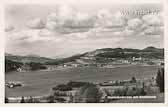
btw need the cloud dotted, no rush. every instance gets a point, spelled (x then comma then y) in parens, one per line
(134, 24)
(151, 24)
(35, 23)
(68, 23)
(68, 20)
(104, 18)
(154, 30)
(46, 33)
(31, 36)
(154, 19)
(9, 28)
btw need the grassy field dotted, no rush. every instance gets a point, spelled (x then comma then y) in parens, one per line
(37, 83)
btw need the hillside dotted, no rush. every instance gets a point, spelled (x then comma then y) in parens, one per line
(29, 58)
(92, 56)
(152, 49)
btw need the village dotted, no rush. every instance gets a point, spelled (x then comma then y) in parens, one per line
(106, 62)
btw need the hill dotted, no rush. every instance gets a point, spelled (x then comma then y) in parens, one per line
(28, 58)
(94, 56)
(152, 49)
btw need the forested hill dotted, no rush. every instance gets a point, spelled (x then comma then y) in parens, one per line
(29, 58)
(149, 52)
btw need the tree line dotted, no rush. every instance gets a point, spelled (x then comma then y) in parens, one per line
(14, 65)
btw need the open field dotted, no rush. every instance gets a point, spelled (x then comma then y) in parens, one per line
(39, 83)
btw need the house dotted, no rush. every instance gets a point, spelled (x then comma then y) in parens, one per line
(136, 59)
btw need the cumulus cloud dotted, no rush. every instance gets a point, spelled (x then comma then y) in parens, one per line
(151, 24)
(134, 24)
(35, 23)
(9, 28)
(68, 20)
(154, 30)
(104, 18)
(154, 19)
(67, 23)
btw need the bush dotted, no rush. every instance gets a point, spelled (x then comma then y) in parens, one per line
(76, 84)
(62, 87)
(60, 94)
(133, 80)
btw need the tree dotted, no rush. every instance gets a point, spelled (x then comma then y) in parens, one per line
(36, 66)
(22, 100)
(6, 100)
(89, 93)
(12, 65)
(160, 79)
(30, 100)
(50, 99)
(71, 98)
(142, 91)
(133, 80)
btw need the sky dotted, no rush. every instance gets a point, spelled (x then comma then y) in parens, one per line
(68, 28)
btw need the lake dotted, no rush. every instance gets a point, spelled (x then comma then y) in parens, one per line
(38, 83)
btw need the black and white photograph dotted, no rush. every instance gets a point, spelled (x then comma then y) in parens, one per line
(83, 51)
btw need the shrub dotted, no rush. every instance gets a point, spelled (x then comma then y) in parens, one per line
(62, 87)
(133, 80)
(76, 84)
(60, 94)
